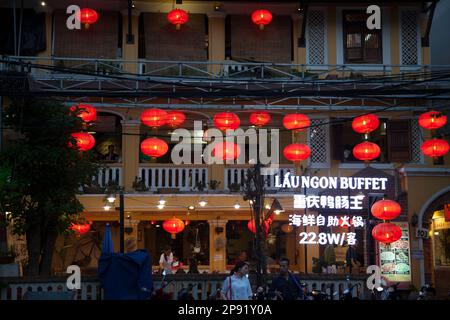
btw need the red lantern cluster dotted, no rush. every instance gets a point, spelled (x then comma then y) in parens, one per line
(297, 152)
(175, 118)
(386, 232)
(81, 228)
(154, 117)
(154, 147)
(432, 120)
(366, 151)
(252, 227)
(386, 209)
(262, 18)
(173, 226)
(226, 121)
(88, 16)
(84, 141)
(366, 123)
(226, 151)
(259, 118)
(177, 17)
(87, 112)
(296, 122)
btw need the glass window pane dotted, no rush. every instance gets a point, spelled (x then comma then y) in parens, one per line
(353, 40)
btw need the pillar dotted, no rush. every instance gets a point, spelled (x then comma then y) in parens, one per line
(395, 38)
(130, 152)
(131, 235)
(217, 246)
(130, 51)
(216, 39)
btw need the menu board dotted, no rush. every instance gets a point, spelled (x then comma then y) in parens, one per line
(395, 259)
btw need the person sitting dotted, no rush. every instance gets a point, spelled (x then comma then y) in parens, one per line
(111, 155)
(286, 286)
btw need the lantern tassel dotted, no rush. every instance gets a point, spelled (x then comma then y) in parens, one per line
(173, 236)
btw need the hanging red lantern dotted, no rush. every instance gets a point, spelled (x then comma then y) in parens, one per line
(154, 147)
(432, 120)
(251, 226)
(178, 17)
(80, 228)
(386, 232)
(296, 122)
(226, 121)
(261, 18)
(366, 151)
(435, 147)
(88, 16)
(84, 141)
(386, 209)
(226, 151)
(366, 123)
(173, 226)
(87, 112)
(259, 118)
(175, 118)
(297, 152)
(154, 117)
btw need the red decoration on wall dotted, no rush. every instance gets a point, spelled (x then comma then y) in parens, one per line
(84, 141)
(154, 117)
(366, 151)
(154, 147)
(262, 18)
(432, 120)
(173, 226)
(259, 118)
(435, 147)
(86, 112)
(297, 152)
(226, 150)
(81, 228)
(366, 123)
(386, 232)
(226, 120)
(178, 17)
(252, 227)
(88, 16)
(175, 118)
(296, 122)
(386, 209)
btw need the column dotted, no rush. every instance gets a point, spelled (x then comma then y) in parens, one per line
(130, 152)
(130, 51)
(131, 235)
(216, 39)
(395, 38)
(217, 245)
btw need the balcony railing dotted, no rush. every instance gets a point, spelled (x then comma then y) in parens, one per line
(108, 175)
(174, 177)
(203, 285)
(237, 175)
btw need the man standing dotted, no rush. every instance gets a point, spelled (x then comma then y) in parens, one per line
(286, 286)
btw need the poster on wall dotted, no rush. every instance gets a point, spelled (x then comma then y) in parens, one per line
(395, 261)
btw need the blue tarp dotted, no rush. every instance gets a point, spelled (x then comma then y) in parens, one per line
(123, 276)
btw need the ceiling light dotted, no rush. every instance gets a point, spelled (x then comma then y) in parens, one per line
(162, 201)
(267, 206)
(111, 199)
(202, 203)
(106, 207)
(43, 4)
(191, 207)
(237, 206)
(160, 206)
(277, 212)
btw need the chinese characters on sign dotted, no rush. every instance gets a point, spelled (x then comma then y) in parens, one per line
(328, 202)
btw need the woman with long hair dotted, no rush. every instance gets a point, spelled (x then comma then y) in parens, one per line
(237, 286)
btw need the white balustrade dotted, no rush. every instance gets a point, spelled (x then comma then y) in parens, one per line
(108, 175)
(181, 178)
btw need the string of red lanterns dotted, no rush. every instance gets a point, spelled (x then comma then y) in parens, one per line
(88, 16)
(386, 210)
(435, 147)
(178, 17)
(366, 150)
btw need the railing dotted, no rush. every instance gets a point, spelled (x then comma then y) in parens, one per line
(237, 175)
(203, 285)
(181, 178)
(108, 175)
(228, 69)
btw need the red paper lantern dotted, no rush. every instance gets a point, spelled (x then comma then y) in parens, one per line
(386, 232)
(178, 17)
(297, 152)
(154, 147)
(84, 141)
(80, 228)
(435, 147)
(226, 150)
(175, 118)
(154, 118)
(366, 123)
(260, 118)
(432, 120)
(173, 226)
(262, 17)
(88, 113)
(296, 122)
(88, 16)
(366, 151)
(252, 227)
(226, 121)
(386, 209)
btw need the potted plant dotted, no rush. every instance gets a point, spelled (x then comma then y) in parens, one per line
(213, 184)
(139, 185)
(200, 186)
(235, 187)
